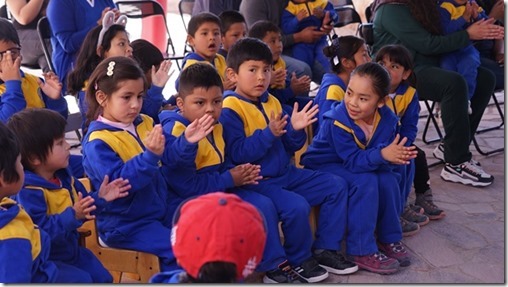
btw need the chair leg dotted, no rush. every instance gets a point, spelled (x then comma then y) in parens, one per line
(501, 115)
(482, 152)
(430, 117)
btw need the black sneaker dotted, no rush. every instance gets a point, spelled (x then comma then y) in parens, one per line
(283, 274)
(466, 173)
(334, 262)
(311, 271)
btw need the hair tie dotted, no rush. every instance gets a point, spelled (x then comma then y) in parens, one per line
(335, 47)
(107, 22)
(111, 67)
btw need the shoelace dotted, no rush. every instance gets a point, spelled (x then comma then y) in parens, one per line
(476, 170)
(397, 247)
(292, 274)
(380, 256)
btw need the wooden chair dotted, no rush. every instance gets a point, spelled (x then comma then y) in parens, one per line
(119, 261)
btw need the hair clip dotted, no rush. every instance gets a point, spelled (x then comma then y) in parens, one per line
(111, 67)
(107, 22)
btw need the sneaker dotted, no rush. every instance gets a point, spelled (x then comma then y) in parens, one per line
(439, 152)
(416, 208)
(334, 262)
(430, 209)
(283, 274)
(396, 251)
(311, 271)
(376, 263)
(408, 228)
(410, 215)
(466, 173)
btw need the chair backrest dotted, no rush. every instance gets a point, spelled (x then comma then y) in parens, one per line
(347, 15)
(44, 32)
(342, 3)
(366, 31)
(185, 7)
(138, 9)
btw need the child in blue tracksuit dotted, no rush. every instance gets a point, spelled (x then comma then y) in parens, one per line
(198, 164)
(457, 15)
(344, 53)
(300, 14)
(257, 130)
(121, 142)
(287, 89)
(358, 140)
(24, 247)
(56, 201)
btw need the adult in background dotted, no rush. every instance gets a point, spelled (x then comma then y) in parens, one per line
(271, 10)
(25, 15)
(421, 34)
(70, 21)
(216, 6)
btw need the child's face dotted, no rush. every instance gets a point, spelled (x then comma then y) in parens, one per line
(252, 79)
(361, 100)
(58, 156)
(12, 188)
(274, 42)
(362, 56)
(9, 46)
(200, 102)
(235, 32)
(123, 105)
(120, 46)
(206, 41)
(397, 72)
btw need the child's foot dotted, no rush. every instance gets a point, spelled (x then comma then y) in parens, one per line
(410, 215)
(408, 228)
(396, 251)
(429, 208)
(334, 262)
(283, 274)
(376, 263)
(311, 271)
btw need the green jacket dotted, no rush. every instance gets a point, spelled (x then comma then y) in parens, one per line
(393, 24)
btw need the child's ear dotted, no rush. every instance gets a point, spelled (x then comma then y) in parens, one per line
(100, 97)
(347, 64)
(190, 40)
(34, 161)
(231, 74)
(382, 101)
(179, 103)
(406, 74)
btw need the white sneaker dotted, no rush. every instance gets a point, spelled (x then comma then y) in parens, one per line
(439, 152)
(466, 173)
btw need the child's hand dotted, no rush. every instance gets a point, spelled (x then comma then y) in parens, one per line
(9, 69)
(300, 85)
(305, 117)
(155, 140)
(278, 77)
(301, 14)
(397, 153)
(246, 174)
(161, 76)
(468, 12)
(83, 207)
(318, 12)
(199, 128)
(326, 24)
(51, 86)
(277, 124)
(475, 9)
(115, 189)
(229, 84)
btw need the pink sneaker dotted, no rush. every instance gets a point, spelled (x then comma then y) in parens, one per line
(396, 251)
(376, 263)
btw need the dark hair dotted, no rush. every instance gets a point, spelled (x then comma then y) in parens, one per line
(10, 152)
(88, 59)
(199, 75)
(379, 76)
(36, 130)
(146, 54)
(342, 47)
(228, 18)
(215, 272)
(124, 69)
(247, 49)
(260, 28)
(398, 54)
(7, 32)
(199, 19)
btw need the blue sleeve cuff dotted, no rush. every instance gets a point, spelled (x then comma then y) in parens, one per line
(13, 85)
(227, 179)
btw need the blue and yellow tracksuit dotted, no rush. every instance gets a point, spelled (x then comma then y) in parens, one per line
(25, 250)
(284, 93)
(193, 169)
(50, 207)
(219, 63)
(292, 190)
(374, 206)
(332, 90)
(142, 220)
(464, 61)
(308, 52)
(19, 95)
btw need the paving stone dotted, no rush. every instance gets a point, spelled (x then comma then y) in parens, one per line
(484, 272)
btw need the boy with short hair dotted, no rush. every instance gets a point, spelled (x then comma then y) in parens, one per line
(20, 90)
(233, 28)
(198, 164)
(257, 130)
(57, 202)
(283, 88)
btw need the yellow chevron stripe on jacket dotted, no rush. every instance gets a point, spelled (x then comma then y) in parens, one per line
(30, 89)
(57, 200)
(219, 62)
(293, 8)
(336, 93)
(400, 103)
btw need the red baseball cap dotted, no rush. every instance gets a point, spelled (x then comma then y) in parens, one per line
(218, 227)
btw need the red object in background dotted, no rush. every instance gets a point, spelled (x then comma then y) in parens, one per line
(153, 29)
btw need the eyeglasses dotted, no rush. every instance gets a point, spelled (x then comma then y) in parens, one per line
(14, 52)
